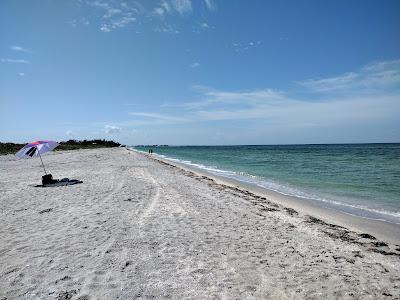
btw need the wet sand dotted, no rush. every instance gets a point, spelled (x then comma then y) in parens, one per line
(143, 228)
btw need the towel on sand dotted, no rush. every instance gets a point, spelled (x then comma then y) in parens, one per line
(62, 182)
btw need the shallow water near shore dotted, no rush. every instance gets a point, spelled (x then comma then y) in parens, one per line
(360, 179)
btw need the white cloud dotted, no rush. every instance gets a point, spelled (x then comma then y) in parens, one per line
(21, 74)
(163, 8)
(195, 65)
(82, 21)
(69, 133)
(372, 76)
(124, 21)
(119, 23)
(299, 112)
(159, 117)
(211, 5)
(182, 6)
(201, 27)
(373, 92)
(242, 47)
(111, 12)
(159, 11)
(100, 4)
(117, 14)
(167, 28)
(111, 129)
(105, 28)
(166, 6)
(279, 108)
(224, 98)
(14, 61)
(20, 49)
(381, 65)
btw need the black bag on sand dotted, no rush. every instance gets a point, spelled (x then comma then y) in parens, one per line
(48, 179)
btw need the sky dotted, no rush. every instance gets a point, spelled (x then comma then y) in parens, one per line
(200, 72)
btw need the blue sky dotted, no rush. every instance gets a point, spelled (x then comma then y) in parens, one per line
(201, 72)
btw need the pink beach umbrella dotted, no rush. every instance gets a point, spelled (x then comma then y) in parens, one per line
(36, 149)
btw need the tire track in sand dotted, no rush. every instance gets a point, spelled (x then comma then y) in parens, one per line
(153, 202)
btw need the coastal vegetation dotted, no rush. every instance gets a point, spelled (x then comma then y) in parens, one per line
(11, 148)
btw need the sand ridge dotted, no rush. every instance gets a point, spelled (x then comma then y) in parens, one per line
(141, 228)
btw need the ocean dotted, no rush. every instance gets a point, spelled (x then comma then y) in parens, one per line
(359, 179)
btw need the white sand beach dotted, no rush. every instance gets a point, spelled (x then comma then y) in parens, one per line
(141, 228)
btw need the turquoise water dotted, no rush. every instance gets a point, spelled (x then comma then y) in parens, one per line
(361, 179)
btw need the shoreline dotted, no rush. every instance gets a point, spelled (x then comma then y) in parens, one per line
(383, 230)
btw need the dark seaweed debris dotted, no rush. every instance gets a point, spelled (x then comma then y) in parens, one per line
(311, 219)
(367, 236)
(66, 295)
(291, 211)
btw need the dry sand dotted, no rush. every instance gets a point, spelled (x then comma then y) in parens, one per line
(140, 228)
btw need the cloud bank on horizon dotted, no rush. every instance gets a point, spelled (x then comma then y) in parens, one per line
(200, 72)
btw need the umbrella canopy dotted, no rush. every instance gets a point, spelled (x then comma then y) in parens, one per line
(36, 148)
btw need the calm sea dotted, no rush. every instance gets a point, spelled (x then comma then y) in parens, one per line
(360, 179)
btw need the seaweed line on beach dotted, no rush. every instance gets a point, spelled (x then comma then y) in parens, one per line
(333, 231)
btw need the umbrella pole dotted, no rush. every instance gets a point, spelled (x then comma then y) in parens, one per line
(41, 161)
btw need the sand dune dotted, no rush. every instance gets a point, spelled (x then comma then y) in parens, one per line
(140, 228)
